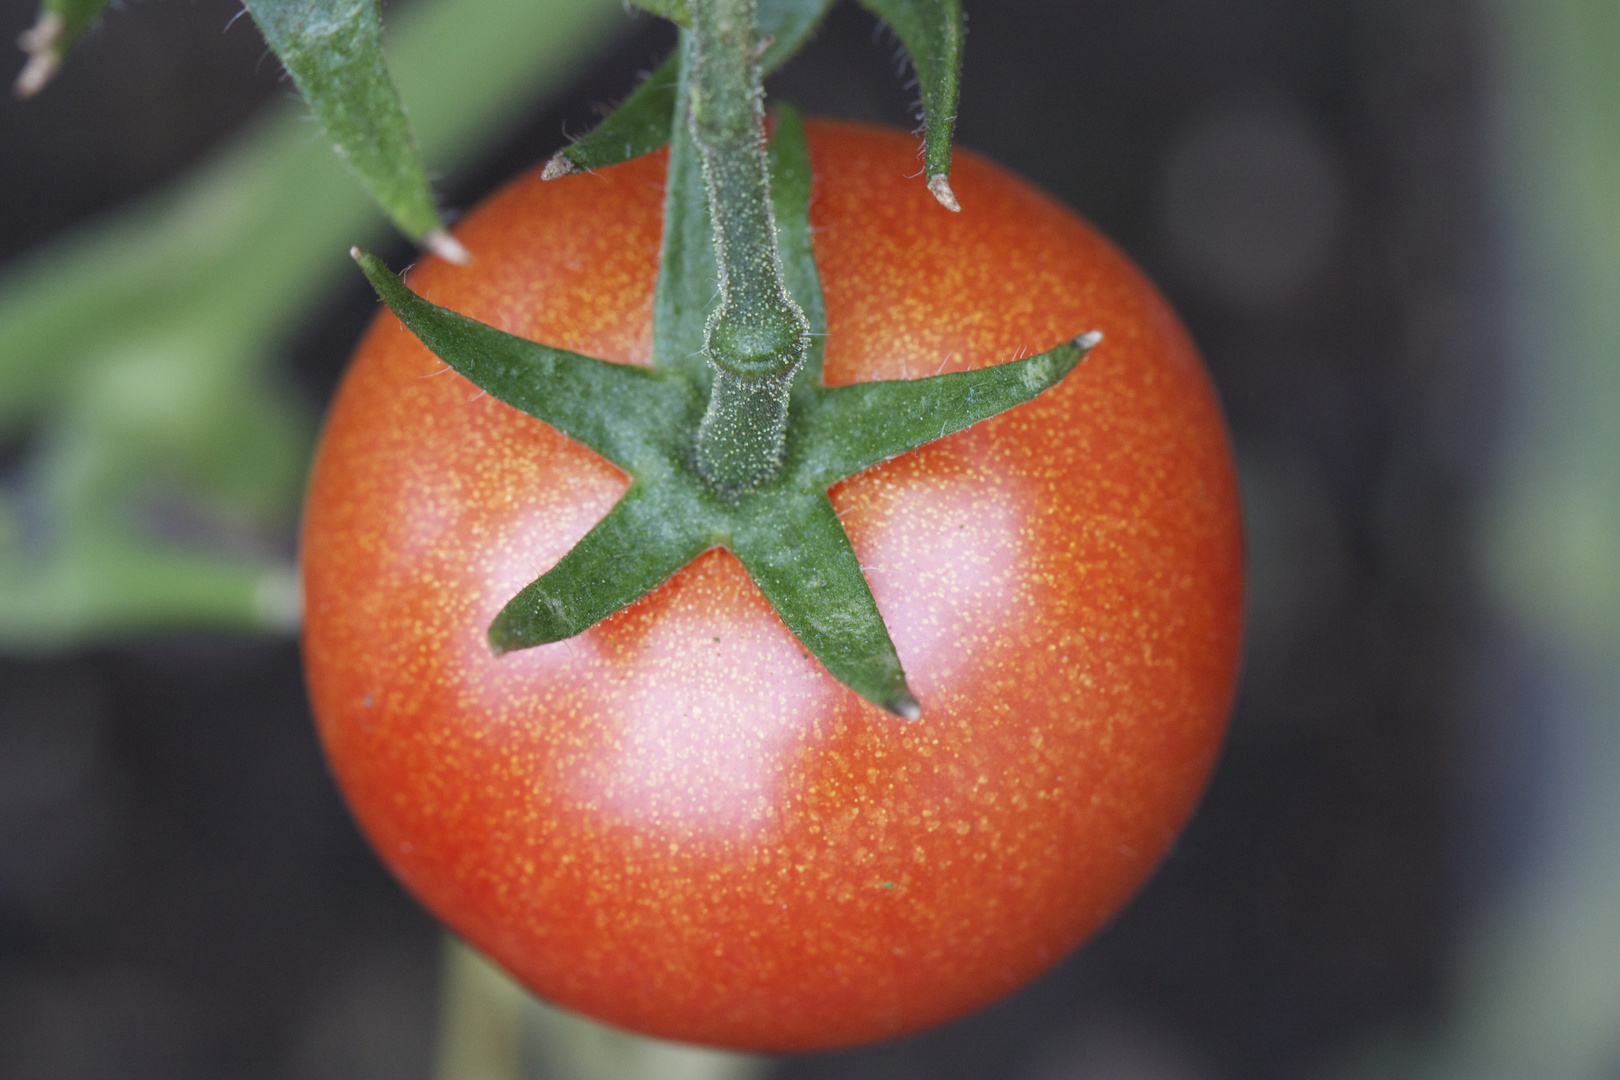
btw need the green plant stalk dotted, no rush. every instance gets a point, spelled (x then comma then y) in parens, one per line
(758, 337)
(490, 1028)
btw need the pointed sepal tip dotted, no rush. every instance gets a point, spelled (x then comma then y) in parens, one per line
(503, 638)
(383, 280)
(905, 706)
(528, 620)
(940, 187)
(559, 164)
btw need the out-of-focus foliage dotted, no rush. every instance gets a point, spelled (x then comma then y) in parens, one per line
(493, 1029)
(333, 51)
(158, 456)
(1547, 991)
(59, 25)
(1537, 986)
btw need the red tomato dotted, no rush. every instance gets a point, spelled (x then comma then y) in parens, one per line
(677, 822)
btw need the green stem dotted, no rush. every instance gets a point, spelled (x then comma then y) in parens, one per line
(758, 336)
(493, 1029)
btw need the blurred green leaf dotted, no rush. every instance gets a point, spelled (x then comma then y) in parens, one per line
(162, 453)
(932, 32)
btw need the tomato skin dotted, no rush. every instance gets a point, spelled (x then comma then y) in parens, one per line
(677, 822)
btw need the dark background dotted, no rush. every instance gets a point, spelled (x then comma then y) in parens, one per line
(181, 894)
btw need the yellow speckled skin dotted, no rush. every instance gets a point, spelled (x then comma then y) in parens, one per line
(676, 822)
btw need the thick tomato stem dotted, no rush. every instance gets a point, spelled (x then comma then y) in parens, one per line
(758, 336)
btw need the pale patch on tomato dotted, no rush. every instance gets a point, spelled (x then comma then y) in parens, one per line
(714, 704)
(943, 555)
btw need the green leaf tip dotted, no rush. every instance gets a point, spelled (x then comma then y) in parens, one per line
(628, 414)
(332, 49)
(541, 621)
(376, 272)
(640, 125)
(647, 536)
(932, 33)
(856, 426)
(1041, 373)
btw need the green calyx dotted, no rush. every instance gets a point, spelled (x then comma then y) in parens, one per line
(735, 381)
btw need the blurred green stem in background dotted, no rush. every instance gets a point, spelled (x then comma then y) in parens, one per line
(1543, 994)
(1537, 989)
(159, 454)
(493, 1030)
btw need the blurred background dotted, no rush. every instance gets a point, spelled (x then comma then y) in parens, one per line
(1392, 225)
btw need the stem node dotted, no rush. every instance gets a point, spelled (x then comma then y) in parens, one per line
(758, 336)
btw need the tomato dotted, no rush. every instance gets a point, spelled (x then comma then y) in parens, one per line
(677, 822)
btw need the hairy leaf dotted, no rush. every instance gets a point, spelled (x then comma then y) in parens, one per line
(856, 426)
(333, 51)
(623, 412)
(790, 202)
(638, 126)
(797, 552)
(688, 277)
(932, 32)
(784, 530)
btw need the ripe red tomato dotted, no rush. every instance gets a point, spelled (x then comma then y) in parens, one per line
(677, 822)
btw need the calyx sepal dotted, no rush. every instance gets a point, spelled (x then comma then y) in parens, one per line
(784, 531)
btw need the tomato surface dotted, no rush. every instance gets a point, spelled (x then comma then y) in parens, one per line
(677, 822)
